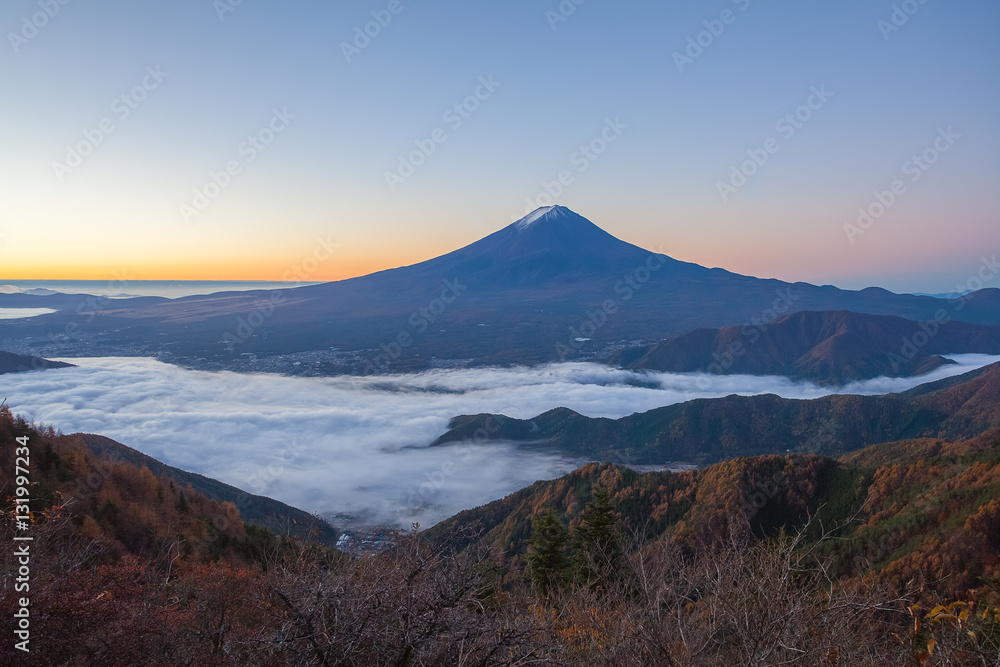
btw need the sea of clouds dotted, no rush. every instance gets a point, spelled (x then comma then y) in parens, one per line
(355, 448)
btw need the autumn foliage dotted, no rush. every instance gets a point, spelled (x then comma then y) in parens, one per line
(887, 556)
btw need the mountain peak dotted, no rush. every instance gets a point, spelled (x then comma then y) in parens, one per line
(552, 244)
(544, 213)
(560, 230)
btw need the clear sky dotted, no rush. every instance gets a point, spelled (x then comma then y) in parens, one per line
(92, 183)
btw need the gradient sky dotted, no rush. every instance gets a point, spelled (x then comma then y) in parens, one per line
(323, 176)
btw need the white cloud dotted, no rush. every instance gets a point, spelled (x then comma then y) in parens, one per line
(358, 445)
(18, 313)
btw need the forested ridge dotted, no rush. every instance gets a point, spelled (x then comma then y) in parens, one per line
(708, 430)
(885, 556)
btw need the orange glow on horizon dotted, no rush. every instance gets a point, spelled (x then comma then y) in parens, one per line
(295, 270)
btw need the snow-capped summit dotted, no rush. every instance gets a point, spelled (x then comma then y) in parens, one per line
(550, 244)
(531, 283)
(543, 212)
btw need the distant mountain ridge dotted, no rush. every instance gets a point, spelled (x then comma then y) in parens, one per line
(21, 363)
(708, 430)
(829, 347)
(548, 287)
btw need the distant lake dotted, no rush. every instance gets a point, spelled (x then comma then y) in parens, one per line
(171, 289)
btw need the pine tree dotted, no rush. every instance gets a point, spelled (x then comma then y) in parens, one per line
(599, 558)
(547, 560)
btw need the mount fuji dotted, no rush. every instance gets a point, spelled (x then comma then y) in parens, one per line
(550, 286)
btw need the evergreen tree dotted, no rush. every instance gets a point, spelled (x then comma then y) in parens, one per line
(599, 557)
(547, 560)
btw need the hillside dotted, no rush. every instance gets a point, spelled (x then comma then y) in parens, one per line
(713, 567)
(831, 347)
(131, 509)
(128, 565)
(704, 431)
(20, 363)
(927, 510)
(259, 510)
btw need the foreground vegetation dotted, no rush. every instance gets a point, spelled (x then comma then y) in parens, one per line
(885, 557)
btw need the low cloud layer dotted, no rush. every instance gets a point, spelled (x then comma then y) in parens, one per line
(18, 313)
(356, 447)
